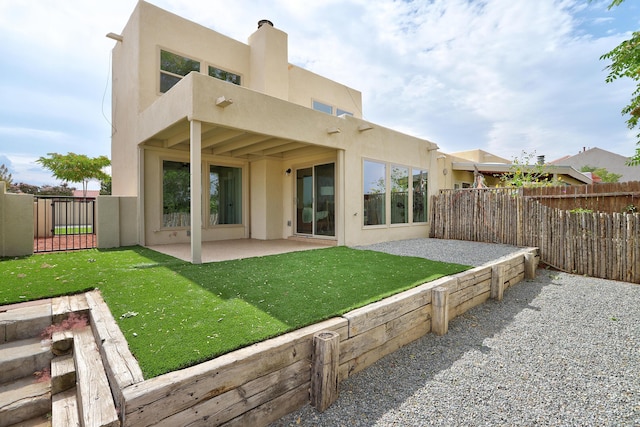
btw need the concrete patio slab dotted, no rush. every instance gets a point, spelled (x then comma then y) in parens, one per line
(225, 250)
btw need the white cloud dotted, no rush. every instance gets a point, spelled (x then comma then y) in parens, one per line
(501, 75)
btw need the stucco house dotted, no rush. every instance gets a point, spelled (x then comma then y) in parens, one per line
(217, 139)
(599, 158)
(456, 170)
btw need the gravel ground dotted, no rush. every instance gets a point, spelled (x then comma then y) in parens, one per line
(458, 251)
(560, 350)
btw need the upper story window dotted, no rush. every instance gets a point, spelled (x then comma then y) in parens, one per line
(319, 106)
(173, 67)
(227, 76)
(329, 109)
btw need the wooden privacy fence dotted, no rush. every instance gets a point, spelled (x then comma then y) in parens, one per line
(597, 244)
(621, 197)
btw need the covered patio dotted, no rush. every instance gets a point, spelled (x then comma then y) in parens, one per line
(225, 250)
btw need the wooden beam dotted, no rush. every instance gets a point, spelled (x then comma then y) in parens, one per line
(259, 147)
(324, 369)
(440, 301)
(240, 143)
(497, 281)
(220, 138)
(285, 147)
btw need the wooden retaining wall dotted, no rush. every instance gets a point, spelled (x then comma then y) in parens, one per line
(259, 384)
(596, 244)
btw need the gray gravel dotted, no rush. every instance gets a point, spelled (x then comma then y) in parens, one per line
(560, 350)
(460, 252)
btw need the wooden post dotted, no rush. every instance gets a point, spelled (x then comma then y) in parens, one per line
(440, 301)
(497, 281)
(324, 369)
(530, 265)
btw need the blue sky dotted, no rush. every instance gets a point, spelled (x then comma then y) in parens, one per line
(505, 76)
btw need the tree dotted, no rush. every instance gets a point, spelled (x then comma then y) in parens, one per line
(524, 174)
(73, 167)
(5, 176)
(105, 186)
(625, 62)
(45, 190)
(603, 173)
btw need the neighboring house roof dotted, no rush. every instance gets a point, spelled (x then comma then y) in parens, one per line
(90, 193)
(501, 168)
(480, 156)
(599, 158)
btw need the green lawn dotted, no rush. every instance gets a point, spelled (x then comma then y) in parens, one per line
(72, 229)
(175, 314)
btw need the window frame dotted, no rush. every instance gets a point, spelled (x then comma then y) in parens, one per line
(241, 168)
(204, 67)
(215, 67)
(385, 193)
(410, 221)
(323, 104)
(162, 198)
(172, 74)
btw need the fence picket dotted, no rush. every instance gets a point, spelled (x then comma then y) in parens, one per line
(598, 244)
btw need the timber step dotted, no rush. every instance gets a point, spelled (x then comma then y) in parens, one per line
(23, 358)
(23, 400)
(96, 406)
(24, 320)
(64, 409)
(41, 421)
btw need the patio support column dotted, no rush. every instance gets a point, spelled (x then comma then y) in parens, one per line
(339, 194)
(196, 191)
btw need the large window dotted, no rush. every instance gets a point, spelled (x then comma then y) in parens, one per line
(399, 195)
(419, 195)
(375, 191)
(173, 67)
(407, 192)
(227, 76)
(225, 195)
(176, 200)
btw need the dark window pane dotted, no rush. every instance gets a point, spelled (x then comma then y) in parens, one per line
(167, 81)
(375, 187)
(399, 195)
(224, 75)
(176, 194)
(325, 199)
(419, 196)
(225, 195)
(177, 64)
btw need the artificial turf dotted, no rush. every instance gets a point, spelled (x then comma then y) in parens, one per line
(175, 314)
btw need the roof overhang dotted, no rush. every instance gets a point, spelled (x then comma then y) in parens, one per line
(501, 169)
(253, 125)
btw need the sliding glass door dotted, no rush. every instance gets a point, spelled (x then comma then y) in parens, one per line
(315, 200)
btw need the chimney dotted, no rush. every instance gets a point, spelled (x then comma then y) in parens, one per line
(269, 61)
(541, 160)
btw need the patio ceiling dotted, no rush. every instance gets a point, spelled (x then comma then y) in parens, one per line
(224, 141)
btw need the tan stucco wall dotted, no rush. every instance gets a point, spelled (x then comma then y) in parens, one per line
(155, 234)
(108, 219)
(305, 87)
(262, 64)
(266, 199)
(275, 101)
(116, 219)
(16, 223)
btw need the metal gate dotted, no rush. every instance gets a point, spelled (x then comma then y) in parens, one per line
(64, 223)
